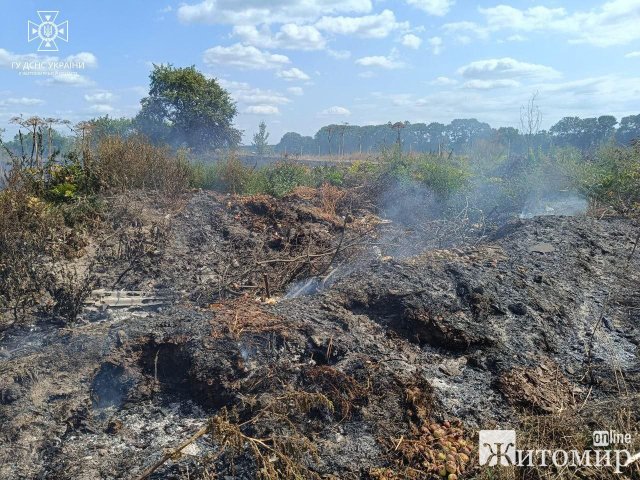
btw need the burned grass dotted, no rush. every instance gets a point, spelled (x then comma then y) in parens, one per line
(385, 371)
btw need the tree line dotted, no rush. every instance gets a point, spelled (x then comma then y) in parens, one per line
(460, 136)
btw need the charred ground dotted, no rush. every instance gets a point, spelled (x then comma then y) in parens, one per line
(320, 335)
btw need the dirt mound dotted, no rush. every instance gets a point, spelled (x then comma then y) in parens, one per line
(384, 372)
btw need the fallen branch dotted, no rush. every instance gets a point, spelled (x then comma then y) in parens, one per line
(174, 453)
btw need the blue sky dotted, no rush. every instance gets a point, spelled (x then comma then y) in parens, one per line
(301, 64)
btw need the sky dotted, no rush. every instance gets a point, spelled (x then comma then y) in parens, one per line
(302, 64)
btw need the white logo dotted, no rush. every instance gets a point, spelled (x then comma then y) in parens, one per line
(606, 438)
(48, 31)
(497, 447)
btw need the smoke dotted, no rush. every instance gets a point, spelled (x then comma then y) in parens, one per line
(559, 203)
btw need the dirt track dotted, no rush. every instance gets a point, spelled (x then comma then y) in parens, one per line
(388, 366)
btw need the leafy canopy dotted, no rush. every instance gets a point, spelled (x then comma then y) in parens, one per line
(185, 108)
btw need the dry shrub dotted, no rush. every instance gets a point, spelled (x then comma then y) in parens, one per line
(27, 227)
(135, 163)
(68, 289)
(280, 451)
(232, 175)
(344, 391)
(327, 197)
(331, 198)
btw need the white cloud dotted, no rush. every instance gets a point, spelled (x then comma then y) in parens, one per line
(336, 111)
(290, 36)
(245, 57)
(411, 41)
(72, 79)
(25, 101)
(305, 37)
(254, 101)
(101, 108)
(98, 97)
(367, 74)
(491, 84)
(433, 7)
(293, 74)
(389, 62)
(454, 28)
(505, 68)
(633, 54)
(297, 91)
(533, 18)
(615, 22)
(339, 54)
(369, 26)
(516, 38)
(436, 45)
(275, 11)
(262, 110)
(444, 81)
(614, 94)
(258, 96)
(88, 58)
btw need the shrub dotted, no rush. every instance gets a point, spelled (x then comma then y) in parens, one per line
(283, 177)
(229, 175)
(27, 225)
(611, 176)
(443, 176)
(135, 163)
(330, 174)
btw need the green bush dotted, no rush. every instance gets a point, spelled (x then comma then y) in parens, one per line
(443, 176)
(283, 177)
(333, 175)
(611, 176)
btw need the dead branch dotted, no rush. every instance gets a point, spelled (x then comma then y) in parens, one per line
(174, 453)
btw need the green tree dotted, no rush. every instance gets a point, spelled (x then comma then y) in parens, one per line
(261, 139)
(185, 108)
(106, 126)
(629, 129)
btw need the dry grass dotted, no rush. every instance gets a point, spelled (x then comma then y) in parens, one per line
(243, 316)
(134, 163)
(344, 391)
(331, 197)
(571, 429)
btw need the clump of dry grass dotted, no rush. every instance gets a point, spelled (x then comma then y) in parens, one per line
(243, 316)
(345, 393)
(135, 163)
(262, 436)
(331, 197)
